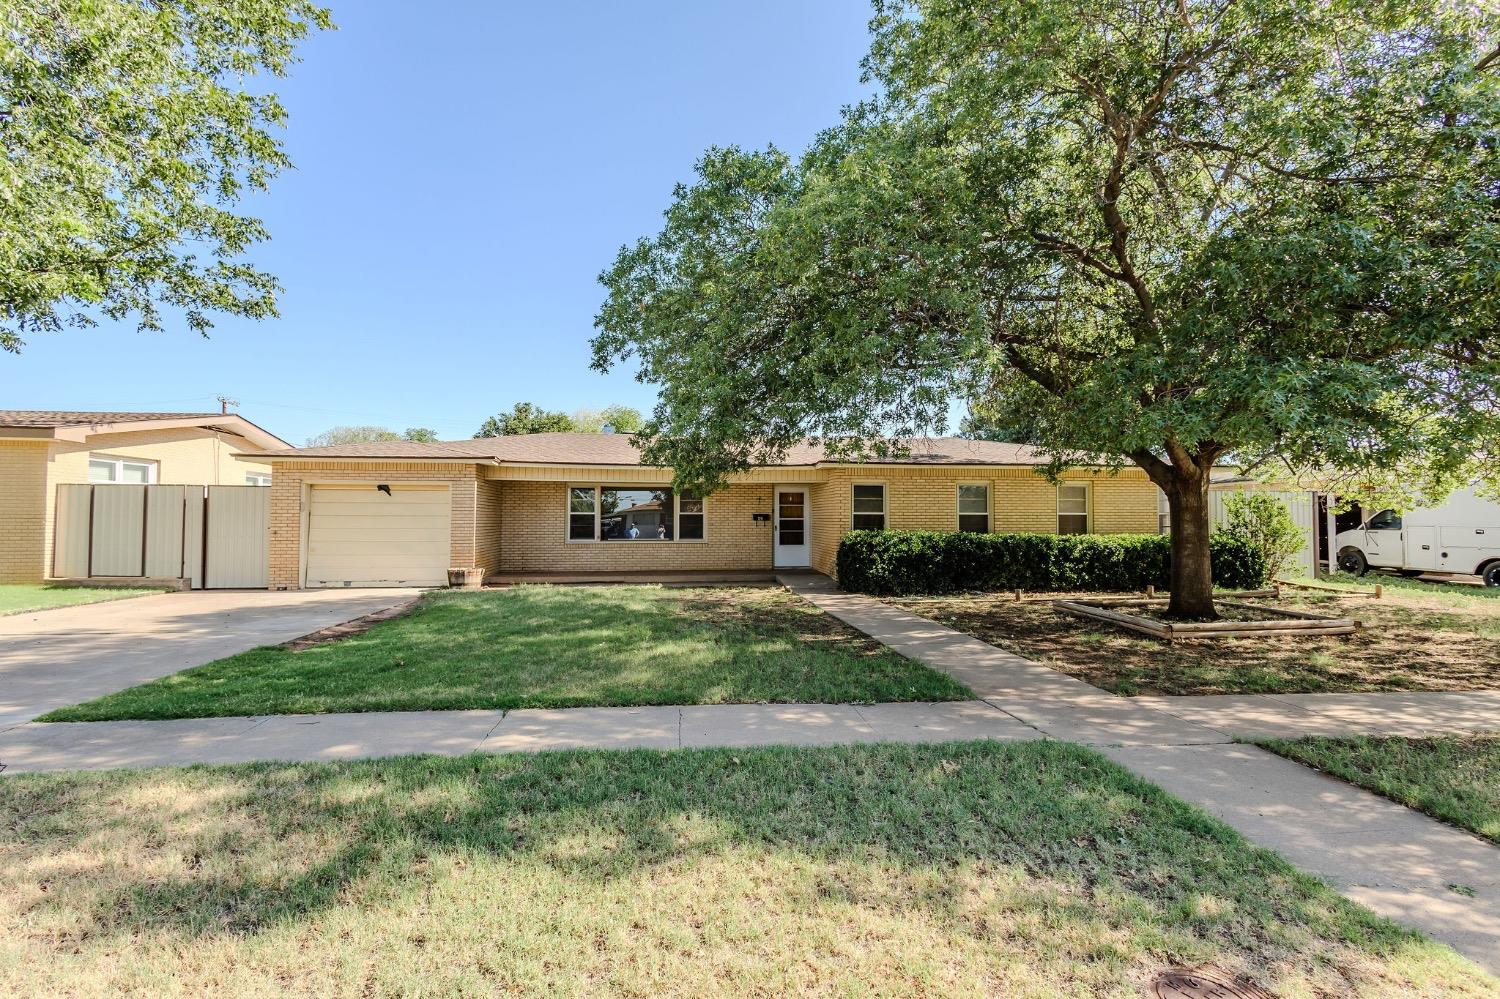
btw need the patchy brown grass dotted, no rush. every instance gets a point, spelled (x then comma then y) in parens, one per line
(1033, 870)
(1410, 641)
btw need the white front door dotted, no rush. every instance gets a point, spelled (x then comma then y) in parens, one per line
(790, 525)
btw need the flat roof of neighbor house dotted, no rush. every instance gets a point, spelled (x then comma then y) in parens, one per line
(75, 425)
(616, 449)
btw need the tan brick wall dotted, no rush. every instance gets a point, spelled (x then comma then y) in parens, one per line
(489, 518)
(1020, 500)
(288, 480)
(534, 534)
(24, 511)
(518, 524)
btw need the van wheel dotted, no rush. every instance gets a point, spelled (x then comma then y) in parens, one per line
(1491, 575)
(1352, 561)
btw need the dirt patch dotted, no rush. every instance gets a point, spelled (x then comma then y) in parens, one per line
(349, 629)
(1406, 643)
(775, 611)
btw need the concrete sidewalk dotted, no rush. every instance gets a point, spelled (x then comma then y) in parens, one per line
(312, 738)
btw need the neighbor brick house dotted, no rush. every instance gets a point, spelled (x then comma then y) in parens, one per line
(40, 450)
(400, 512)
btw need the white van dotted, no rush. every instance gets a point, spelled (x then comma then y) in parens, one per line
(1460, 537)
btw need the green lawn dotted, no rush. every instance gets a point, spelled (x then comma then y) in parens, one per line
(1459, 594)
(546, 646)
(1023, 870)
(16, 598)
(1456, 778)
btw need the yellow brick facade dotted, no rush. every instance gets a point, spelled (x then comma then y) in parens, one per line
(533, 537)
(31, 471)
(1021, 500)
(291, 483)
(24, 510)
(514, 519)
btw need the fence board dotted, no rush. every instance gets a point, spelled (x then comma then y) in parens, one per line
(238, 519)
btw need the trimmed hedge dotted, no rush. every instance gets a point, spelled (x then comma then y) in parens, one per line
(893, 563)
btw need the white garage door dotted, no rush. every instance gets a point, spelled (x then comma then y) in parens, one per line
(362, 535)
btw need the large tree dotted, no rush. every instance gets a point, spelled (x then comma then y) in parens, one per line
(127, 133)
(1169, 233)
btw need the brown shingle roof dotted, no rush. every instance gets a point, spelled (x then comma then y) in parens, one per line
(63, 418)
(616, 449)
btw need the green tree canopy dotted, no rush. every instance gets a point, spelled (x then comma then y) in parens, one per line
(128, 133)
(1170, 233)
(336, 436)
(524, 418)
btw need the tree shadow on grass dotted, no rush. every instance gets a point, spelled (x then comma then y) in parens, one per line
(216, 852)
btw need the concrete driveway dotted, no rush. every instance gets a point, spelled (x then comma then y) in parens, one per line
(53, 658)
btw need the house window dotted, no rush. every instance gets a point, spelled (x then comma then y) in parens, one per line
(689, 516)
(869, 508)
(257, 478)
(103, 468)
(1073, 508)
(974, 508)
(583, 514)
(628, 513)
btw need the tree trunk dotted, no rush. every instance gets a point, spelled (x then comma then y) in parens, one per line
(1192, 573)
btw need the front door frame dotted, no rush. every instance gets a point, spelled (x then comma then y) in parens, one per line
(791, 556)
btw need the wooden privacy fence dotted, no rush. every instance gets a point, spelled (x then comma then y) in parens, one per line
(213, 536)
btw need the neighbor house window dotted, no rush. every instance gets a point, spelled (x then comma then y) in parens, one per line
(103, 468)
(628, 513)
(974, 508)
(257, 478)
(869, 508)
(1073, 508)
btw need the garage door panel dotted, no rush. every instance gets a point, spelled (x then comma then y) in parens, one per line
(415, 521)
(361, 536)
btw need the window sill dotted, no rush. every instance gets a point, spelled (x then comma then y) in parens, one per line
(642, 541)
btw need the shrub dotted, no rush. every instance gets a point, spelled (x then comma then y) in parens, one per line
(891, 563)
(1264, 523)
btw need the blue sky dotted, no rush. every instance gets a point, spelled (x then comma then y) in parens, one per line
(463, 173)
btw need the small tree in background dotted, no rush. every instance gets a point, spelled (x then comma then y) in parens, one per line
(525, 418)
(337, 436)
(622, 419)
(1263, 522)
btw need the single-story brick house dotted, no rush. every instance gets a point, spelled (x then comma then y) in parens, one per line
(403, 513)
(39, 450)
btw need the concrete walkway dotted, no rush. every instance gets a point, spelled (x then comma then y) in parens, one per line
(1391, 859)
(52, 658)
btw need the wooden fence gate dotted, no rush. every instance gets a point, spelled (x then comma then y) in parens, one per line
(214, 536)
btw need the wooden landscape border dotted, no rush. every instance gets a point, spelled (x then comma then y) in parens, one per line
(1296, 623)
